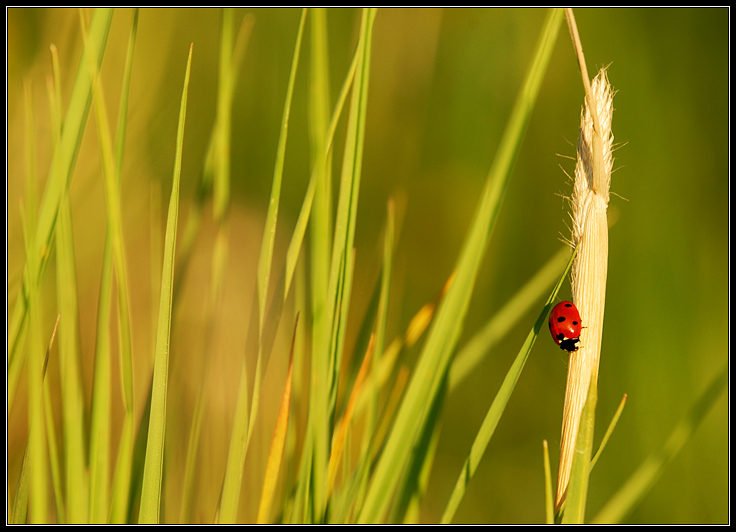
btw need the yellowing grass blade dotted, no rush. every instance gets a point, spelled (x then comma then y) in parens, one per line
(244, 421)
(277, 442)
(344, 424)
(153, 469)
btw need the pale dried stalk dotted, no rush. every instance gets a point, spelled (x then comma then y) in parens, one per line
(590, 233)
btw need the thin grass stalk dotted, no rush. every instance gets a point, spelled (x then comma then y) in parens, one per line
(72, 397)
(99, 438)
(29, 151)
(549, 504)
(37, 446)
(54, 91)
(153, 469)
(608, 433)
(53, 451)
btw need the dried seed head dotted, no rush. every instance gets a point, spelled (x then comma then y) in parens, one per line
(589, 271)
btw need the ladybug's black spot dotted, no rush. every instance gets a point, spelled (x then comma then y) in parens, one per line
(561, 319)
(568, 305)
(575, 322)
(560, 336)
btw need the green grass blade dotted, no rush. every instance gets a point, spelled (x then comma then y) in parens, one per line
(415, 477)
(383, 302)
(72, 397)
(60, 174)
(229, 65)
(443, 335)
(20, 501)
(609, 432)
(122, 479)
(15, 357)
(482, 342)
(372, 330)
(215, 177)
(320, 191)
(38, 464)
(321, 219)
(328, 347)
(30, 157)
(634, 490)
(153, 470)
(577, 488)
(53, 451)
(265, 258)
(99, 438)
(243, 425)
(549, 503)
(19, 512)
(321, 231)
(498, 405)
(269, 233)
(112, 165)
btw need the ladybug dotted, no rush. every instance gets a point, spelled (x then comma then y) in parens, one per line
(565, 325)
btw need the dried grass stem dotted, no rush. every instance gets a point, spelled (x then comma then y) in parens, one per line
(589, 203)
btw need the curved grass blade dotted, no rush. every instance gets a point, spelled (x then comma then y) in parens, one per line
(153, 469)
(445, 331)
(244, 422)
(60, 174)
(502, 321)
(499, 404)
(634, 490)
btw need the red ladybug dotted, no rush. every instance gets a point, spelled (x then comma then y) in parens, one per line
(565, 325)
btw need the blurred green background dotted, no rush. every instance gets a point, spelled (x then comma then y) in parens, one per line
(441, 88)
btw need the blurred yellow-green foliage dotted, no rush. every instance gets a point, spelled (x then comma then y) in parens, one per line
(441, 87)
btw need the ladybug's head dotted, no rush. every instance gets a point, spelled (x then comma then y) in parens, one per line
(570, 344)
